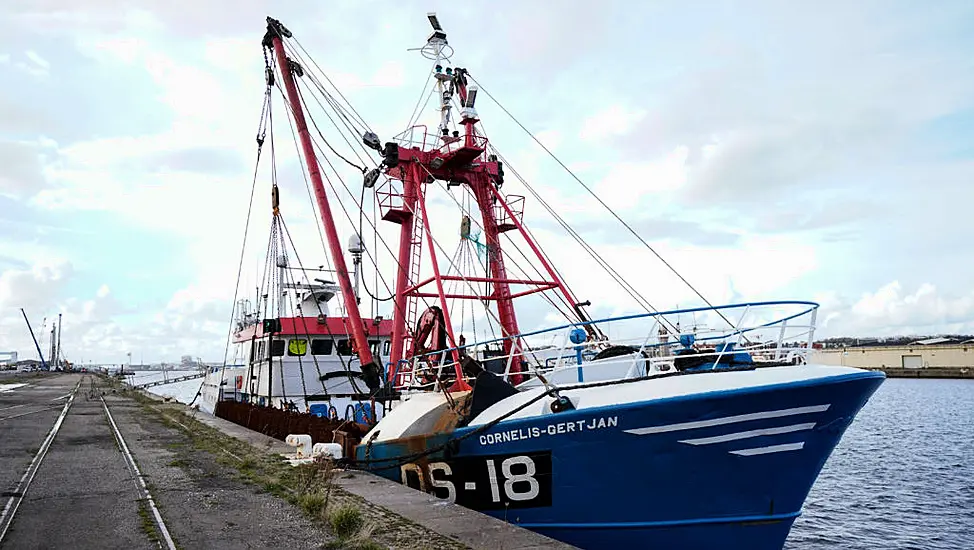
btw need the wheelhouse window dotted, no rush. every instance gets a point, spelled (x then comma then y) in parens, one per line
(277, 348)
(375, 346)
(344, 347)
(385, 347)
(321, 346)
(297, 347)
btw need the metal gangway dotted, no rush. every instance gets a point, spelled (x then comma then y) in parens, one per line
(193, 376)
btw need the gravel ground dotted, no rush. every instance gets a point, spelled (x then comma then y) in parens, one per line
(82, 496)
(204, 503)
(212, 490)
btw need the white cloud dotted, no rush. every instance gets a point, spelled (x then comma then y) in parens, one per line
(615, 120)
(550, 138)
(894, 310)
(713, 122)
(32, 63)
(629, 185)
(39, 61)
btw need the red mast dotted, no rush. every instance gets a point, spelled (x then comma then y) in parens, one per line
(458, 160)
(273, 39)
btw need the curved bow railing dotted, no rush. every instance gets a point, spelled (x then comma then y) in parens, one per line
(767, 332)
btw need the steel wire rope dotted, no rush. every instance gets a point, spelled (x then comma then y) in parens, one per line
(308, 70)
(592, 252)
(589, 249)
(361, 169)
(512, 337)
(297, 310)
(261, 134)
(345, 366)
(329, 145)
(344, 185)
(278, 286)
(513, 262)
(339, 111)
(342, 205)
(352, 107)
(602, 203)
(324, 92)
(375, 233)
(569, 305)
(468, 211)
(604, 264)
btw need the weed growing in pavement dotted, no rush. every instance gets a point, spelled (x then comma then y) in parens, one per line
(148, 525)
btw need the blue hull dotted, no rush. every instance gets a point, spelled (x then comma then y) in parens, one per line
(726, 469)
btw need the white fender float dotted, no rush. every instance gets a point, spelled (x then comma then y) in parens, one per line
(302, 442)
(331, 450)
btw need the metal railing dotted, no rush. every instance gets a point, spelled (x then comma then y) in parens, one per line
(768, 333)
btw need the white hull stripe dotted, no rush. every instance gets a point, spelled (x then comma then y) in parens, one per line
(728, 420)
(770, 449)
(748, 434)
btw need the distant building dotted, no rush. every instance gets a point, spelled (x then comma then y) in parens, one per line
(920, 354)
(940, 340)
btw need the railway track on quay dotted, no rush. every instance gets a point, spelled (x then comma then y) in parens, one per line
(82, 474)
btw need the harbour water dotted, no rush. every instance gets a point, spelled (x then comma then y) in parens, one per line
(180, 391)
(902, 478)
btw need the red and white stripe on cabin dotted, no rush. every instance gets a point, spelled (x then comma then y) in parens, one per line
(309, 326)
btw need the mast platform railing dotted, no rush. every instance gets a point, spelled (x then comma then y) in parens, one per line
(505, 221)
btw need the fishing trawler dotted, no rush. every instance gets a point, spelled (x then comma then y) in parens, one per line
(629, 431)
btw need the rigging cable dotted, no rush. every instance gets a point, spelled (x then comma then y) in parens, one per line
(361, 214)
(337, 154)
(594, 254)
(349, 125)
(261, 134)
(589, 249)
(601, 202)
(304, 322)
(466, 209)
(489, 312)
(346, 366)
(341, 204)
(362, 120)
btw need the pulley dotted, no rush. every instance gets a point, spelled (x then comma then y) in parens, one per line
(370, 177)
(371, 140)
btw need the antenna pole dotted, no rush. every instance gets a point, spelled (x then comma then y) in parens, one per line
(57, 354)
(53, 343)
(275, 32)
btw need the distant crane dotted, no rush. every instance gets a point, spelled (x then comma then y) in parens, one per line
(34, 338)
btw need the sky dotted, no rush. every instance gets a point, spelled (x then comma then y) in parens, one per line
(768, 150)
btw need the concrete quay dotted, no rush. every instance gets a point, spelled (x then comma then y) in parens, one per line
(926, 372)
(88, 463)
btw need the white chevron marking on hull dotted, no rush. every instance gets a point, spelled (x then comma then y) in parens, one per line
(749, 434)
(770, 449)
(728, 420)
